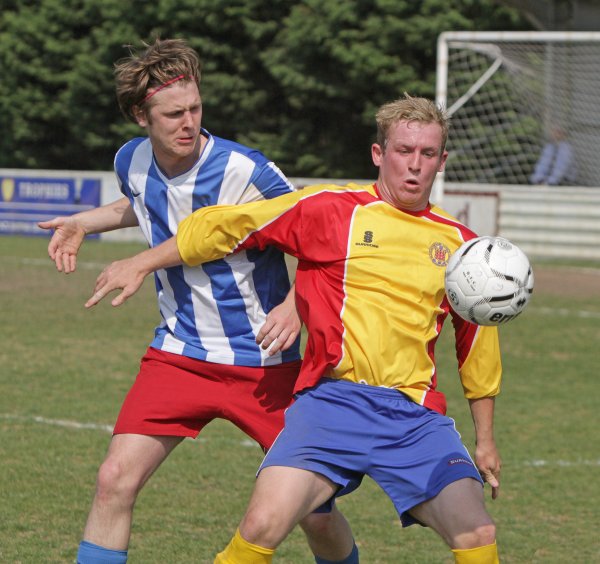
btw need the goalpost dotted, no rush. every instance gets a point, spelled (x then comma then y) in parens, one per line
(505, 91)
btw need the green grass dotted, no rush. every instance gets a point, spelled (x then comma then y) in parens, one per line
(61, 363)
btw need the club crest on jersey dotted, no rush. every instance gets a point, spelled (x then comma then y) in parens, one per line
(439, 254)
(367, 240)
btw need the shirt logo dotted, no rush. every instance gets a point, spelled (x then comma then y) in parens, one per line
(439, 254)
(367, 240)
(454, 461)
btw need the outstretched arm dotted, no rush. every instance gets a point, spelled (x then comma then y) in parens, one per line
(207, 234)
(487, 458)
(282, 326)
(128, 274)
(70, 231)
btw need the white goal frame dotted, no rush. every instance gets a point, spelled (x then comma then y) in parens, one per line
(486, 40)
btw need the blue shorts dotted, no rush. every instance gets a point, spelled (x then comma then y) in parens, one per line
(344, 430)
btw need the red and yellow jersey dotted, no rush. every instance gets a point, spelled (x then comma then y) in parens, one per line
(369, 285)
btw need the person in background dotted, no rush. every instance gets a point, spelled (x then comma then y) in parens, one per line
(370, 289)
(556, 164)
(228, 342)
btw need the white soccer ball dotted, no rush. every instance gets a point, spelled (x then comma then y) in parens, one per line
(489, 281)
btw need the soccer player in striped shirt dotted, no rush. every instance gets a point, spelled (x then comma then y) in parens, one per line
(228, 342)
(370, 289)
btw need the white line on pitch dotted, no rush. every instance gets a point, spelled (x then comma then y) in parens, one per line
(58, 422)
(564, 312)
(48, 262)
(560, 463)
(93, 426)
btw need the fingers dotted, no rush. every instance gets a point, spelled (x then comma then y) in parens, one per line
(65, 262)
(270, 337)
(280, 330)
(50, 224)
(100, 294)
(491, 478)
(61, 248)
(101, 289)
(277, 341)
(116, 276)
(264, 331)
(269, 343)
(283, 344)
(96, 297)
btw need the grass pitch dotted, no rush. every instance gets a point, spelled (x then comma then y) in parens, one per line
(64, 371)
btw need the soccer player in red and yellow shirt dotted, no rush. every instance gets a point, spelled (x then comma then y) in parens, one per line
(370, 289)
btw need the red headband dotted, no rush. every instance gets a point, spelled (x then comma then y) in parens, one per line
(159, 88)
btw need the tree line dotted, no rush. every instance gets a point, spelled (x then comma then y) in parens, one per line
(298, 79)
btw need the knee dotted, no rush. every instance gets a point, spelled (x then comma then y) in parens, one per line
(322, 525)
(114, 483)
(261, 527)
(482, 535)
(330, 537)
(486, 534)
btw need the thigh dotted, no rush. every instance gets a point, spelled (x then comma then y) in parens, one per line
(136, 457)
(458, 509)
(282, 496)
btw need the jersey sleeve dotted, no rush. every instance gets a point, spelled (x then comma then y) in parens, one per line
(123, 186)
(292, 222)
(479, 362)
(270, 181)
(214, 232)
(122, 163)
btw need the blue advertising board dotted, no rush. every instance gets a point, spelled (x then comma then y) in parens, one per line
(25, 200)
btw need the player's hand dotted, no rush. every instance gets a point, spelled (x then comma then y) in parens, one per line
(125, 275)
(489, 464)
(65, 242)
(281, 328)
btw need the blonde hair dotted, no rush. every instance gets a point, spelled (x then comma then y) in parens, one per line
(158, 64)
(410, 108)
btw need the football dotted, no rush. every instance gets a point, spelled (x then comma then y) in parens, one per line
(489, 281)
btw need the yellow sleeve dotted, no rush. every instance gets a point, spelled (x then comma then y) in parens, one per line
(213, 232)
(481, 372)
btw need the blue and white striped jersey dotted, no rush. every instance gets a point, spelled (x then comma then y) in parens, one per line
(214, 311)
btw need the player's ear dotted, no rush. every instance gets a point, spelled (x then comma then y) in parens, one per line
(376, 153)
(140, 116)
(443, 161)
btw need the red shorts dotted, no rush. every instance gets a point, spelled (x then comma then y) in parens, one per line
(176, 395)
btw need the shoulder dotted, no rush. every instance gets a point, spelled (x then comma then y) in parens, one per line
(447, 222)
(349, 192)
(262, 175)
(330, 200)
(222, 145)
(128, 150)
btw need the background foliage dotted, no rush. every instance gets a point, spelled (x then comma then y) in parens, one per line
(298, 79)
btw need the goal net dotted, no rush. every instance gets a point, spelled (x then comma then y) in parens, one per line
(507, 91)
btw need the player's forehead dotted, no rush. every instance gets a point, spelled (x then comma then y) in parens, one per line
(415, 134)
(179, 96)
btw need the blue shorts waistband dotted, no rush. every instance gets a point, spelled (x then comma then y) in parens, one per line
(366, 388)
